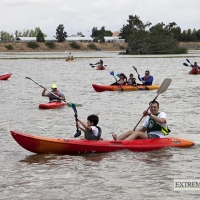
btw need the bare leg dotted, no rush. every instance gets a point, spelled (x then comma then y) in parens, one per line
(137, 134)
(123, 136)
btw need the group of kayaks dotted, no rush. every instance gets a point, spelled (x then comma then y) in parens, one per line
(45, 145)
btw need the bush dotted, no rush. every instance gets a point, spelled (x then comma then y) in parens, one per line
(33, 45)
(51, 45)
(121, 47)
(92, 46)
(75, 45)
(9, 47)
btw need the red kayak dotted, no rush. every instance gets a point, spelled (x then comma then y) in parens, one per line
(5, 76)
(194, 71)
(44, 145)
(100, 68)
(52, 105)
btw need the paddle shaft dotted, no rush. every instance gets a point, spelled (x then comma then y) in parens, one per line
(78, 132)
(45, 88)
(164, 86)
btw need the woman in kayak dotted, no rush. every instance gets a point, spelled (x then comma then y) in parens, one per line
(54, 95)
(91, 130)
(122, 80)
(147, 79)
(154, 126)
(100, 63)
(131, 80)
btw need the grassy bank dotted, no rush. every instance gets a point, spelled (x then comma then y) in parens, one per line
(65, 46)
(60, 47)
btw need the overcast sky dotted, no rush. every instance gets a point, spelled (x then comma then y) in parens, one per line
(83, 15)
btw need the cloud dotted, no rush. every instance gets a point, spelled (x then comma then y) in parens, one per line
(81, 16)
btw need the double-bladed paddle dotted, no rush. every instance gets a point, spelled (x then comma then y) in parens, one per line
(93, 65)
(112, 73)
(78, 132)
(163, 87)
(68, 104)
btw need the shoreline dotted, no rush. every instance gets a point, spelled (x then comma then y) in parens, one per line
(65, 46)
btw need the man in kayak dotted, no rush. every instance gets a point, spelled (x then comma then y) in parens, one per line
(91, 130)
(154, 125)
(195, 66)
(100, 63)
(54, 95)
(147, 79)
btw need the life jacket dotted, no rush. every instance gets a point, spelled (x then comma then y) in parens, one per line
(122, 80)
(131, 81)
(154, 126)
(53, 97)
(89, 135)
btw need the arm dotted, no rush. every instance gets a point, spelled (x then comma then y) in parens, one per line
(84, 125)
(43, 92)
(139, 77)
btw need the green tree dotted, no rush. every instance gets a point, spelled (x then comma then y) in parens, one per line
(40, 37)
(5, 36)
(61, 35)
(143, 38)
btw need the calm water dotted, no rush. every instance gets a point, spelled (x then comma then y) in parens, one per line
(119, 175)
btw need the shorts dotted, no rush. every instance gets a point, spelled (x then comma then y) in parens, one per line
(152, 135)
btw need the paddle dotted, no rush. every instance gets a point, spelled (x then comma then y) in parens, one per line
(164, 86)
(68, 104)
(112, 73)
(78, 132)
(93, 65)
(146, 88)
(188, 61)
(185, 64)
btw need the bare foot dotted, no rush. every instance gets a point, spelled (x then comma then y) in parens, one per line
(114, 136)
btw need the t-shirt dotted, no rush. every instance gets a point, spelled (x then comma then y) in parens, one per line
(95, 130)
(160, 115)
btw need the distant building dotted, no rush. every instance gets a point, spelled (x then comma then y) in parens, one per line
(74, 38)
(114, 38)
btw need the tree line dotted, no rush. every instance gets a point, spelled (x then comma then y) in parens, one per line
(142, 38)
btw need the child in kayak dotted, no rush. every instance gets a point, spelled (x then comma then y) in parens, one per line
(122, 80)
(91, 130)
(54, 95)
(131, 80)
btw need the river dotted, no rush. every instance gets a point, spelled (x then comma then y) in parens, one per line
(119, 175)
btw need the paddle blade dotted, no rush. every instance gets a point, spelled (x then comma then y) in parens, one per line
(78, 133)
(187, 60)
(112, 73)
(164, 86)
(90, 64)
(118, 75)
(28, 78)
(185, 64)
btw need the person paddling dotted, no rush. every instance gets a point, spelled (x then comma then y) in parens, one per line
(100, 63)
(122, 80)
(154, 125)
(131, 80)
(52, 97)
(147, 79)
(91, 130)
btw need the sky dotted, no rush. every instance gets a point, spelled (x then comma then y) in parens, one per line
(83, 15)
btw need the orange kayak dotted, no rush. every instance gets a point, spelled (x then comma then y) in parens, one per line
(44, 145)
(5, 76)
(102, 88)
